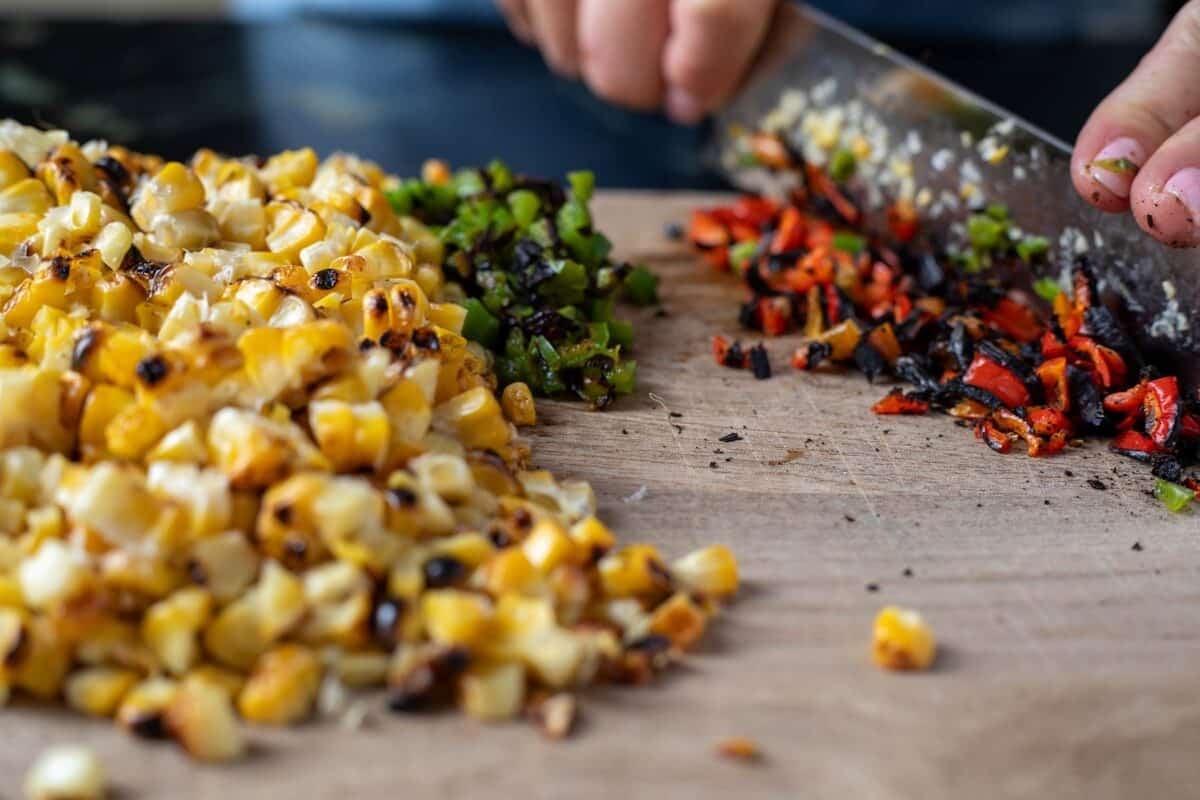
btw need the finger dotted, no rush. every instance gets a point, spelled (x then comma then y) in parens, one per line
(555, 25)
(712, 43)
(621, 46)
(1166, 193)
(516, 14)
(1158, 99)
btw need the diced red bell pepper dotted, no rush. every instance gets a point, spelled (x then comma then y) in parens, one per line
(1134, 444)
(1189, 426)
(1128, 401)
(1047, 421)
(1010, 422)
(1052, 346)
(720, 346)
(753, 210)
(833, 304)
(1106, 364)
(1014, 319)
(770, 151)
(995, 438)
(999, 380)
(1162, 408)
(1053, 375)
(790, 233)
(1069, 319)
(902, 220)
(823, 185)
(902, 307)
(706, 232)
(775, 314)
(895, 402)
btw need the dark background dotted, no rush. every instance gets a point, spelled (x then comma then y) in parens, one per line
(400, 92)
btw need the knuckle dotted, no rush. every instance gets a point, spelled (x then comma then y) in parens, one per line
(714, 13)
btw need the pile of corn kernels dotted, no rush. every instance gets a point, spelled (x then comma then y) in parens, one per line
(248, 464)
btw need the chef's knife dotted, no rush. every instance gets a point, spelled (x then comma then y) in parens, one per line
(821, 78)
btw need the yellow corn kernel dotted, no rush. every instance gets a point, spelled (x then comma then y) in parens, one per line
(290, 169)
(103, 404)
(10, 592)
(28, 196)
(233, 637)
(283, 686)
(225, 564)
(352, 437)
(547, 546)
(456, 617)
(84, 219)
(175, 188)
(477, 418)
(12, 169)
(255, 452)
(469, 549)
(680, 620)
(280, 600)
(170, 628)
(447, 475)
(409, 305)
(243, 221)
(361, 670)
(635, 571)
(140, 573)
(227, 680)
(15, 228)
(117, 298)
(518, 404)
(54, 574)
(201, 718)
(435, 171)
(187, 230)
(711, 571)
(133, 431)
(142, 710)
(903, 640)
(339, 598)
(509, 571)
(448, 315)
(66, 772)
(593, 540)
(554, 656)
(97, 691)
(493, 692)
(42, 661)
(291, 228)
(410, 416)
(65, 171)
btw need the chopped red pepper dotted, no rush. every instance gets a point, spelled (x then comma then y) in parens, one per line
(1163, 411)
(1011, 422)
(1126, 402)
(1052, 346)
(1048, 421)
(1014, 319)
(833, 304)
(706, 232)
(1106, 364)
(995, 438)
(770, 151)
(752, 210)
(902, 220)
(896, 402)
(775, 314)
(1053, 375)
(1000, 381)
(1189, 426)
(1134, 444)
(790, 233)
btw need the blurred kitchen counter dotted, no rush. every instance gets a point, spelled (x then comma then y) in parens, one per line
(400, 93)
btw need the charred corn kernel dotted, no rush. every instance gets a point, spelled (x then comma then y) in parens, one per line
(339, 599)
(66, 772)
(280, 599)
(711, 571)
(456, 617)
(15, 229)
(171, 626)
(435, 171)
(680, 620)
(548, 545)
(283, 686)
(255, 452)
(227, 680)
(636, 570)
(224, 564)
(592, 539)
(97, 691)
(903, 640)
(408, 304)
(27, 196)
(54, 574)
(477, 418)
(518, 404)
(493, 692)
(352, 437)
(233, 637)
(291, 228)
(469, 549)
(142, 711)
(448, 476)
(201, 718)
(290, 169)
(65, 171)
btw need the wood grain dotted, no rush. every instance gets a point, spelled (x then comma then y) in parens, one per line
(1069, 661)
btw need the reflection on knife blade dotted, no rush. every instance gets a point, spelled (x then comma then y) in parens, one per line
(829, 87)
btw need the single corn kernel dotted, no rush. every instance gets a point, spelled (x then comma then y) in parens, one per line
(903, 640)
(233, 637)
(493, 692)
(509, 571)
(637, 570)
(477, 417)
(283, 686)
(56, 572)
(66, 772)
(436, 171)
(710, 571)
(170, 628)
(142, 711)
(97, 691)
(280, 600)
(447, 475)
(201, 718)
(547, 546)
(227, 680)
(518, 404)
(593, 540)
(455, 617)
(680, 620)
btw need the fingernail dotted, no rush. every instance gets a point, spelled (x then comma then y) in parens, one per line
(683, 107)
(1115, 166)
(1185, 185)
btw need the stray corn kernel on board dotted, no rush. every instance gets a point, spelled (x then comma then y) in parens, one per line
(1059, 645)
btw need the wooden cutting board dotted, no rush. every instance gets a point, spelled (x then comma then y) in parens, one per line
(1070, 661)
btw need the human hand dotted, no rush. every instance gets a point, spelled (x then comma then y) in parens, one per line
(686, 56)
(1140, 151)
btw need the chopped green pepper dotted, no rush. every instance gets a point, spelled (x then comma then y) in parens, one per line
(479, 325)
(525, 207)
(1046, 288)
(843, 165)
(1173, 496)
(985, 232)
(1031, 247)
(741, 254)
(641, 286)
(850, 243)
(583, 185)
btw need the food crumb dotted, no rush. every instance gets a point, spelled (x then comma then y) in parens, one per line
(1137, 547)
(731, 437)
(908, 573)
(872, 587)
(638, 495)
(739, 748)
(1097, 484)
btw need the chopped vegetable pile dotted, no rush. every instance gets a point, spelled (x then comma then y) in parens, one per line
(249, 464)
(943, 320)
(534, 276)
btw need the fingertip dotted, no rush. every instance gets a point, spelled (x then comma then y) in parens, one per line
(1164, 216)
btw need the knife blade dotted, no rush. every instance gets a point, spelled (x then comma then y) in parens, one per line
(824, 84)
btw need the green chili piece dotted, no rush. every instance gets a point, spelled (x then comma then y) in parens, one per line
(479, 325)
(525, 206)
(986, 233)
(1046, 288)
(848, 242)
(843, 165)
(741, 254)
(583, 185)
(621, 333)
(1172, 495)
(641, 286)
(1032, 247)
